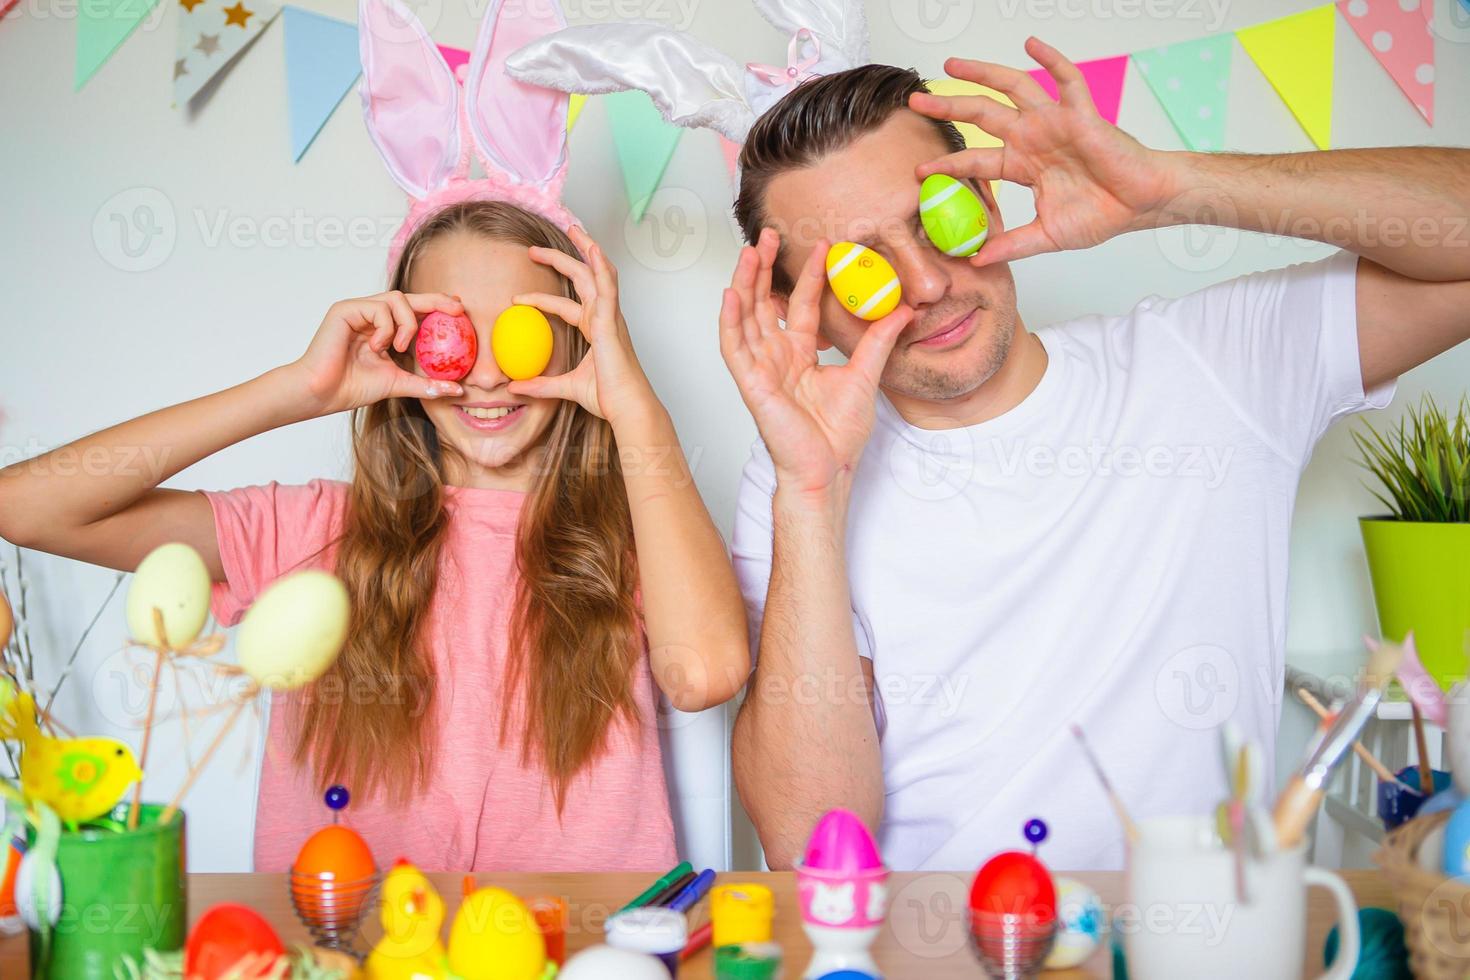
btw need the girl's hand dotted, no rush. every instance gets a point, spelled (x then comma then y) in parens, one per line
(609, 382)
(1092, 181)
(348, 364)
(815, 418)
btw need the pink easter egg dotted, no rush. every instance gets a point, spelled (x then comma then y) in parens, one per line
(841, 842)
(446, 346)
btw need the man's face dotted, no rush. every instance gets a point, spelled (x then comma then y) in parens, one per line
(867, 192)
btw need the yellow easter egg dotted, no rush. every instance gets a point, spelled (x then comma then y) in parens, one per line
(294, 631)
(174, 580)
(521, 342)
(494, 937)
(862, 280)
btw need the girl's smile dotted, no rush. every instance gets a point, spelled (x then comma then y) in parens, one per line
(489, 416)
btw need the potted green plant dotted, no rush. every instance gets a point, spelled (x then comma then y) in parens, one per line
(1419, 552)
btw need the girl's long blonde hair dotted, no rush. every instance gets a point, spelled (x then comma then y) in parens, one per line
(573, 629)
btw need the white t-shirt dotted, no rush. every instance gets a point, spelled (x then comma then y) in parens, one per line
(1111, 552)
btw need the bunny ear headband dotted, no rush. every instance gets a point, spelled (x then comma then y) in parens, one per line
(423, 118)
(692, 83)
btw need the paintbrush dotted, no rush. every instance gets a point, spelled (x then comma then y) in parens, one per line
(1130, 829)
(1297, 805)
(1379, 769)
(1421, 746)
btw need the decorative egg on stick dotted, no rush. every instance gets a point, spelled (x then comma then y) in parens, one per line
(842, 886)
(446, 346)
(521, 341)
(167, 607)
(862, 280)
(287, 639)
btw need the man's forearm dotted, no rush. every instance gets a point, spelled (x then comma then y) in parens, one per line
(1404, 208)
(806, 740)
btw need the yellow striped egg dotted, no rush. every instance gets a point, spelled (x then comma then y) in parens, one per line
(953, 215)
(862, 280)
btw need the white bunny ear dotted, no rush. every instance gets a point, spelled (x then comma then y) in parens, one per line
(836, 22)
(520, 129)
(691, 83)
(410, 100)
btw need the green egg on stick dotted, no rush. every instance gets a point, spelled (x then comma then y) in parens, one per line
(953, 215)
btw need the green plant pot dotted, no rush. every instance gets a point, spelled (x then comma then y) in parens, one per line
(121, 893)
(1421, 582)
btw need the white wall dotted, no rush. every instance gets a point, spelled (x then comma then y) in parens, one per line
(88, 344)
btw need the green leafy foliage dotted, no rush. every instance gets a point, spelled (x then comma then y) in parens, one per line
(1422, 464)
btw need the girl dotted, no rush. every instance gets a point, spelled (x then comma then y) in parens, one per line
(492, 708)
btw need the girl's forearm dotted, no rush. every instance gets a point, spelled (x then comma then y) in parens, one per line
(95, 499)
(691, 601)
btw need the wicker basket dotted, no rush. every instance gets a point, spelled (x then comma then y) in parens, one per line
(1434, 907)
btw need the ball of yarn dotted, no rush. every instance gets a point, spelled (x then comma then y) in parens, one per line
(1383, 956)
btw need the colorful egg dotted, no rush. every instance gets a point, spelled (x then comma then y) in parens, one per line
(294, 631)
(1014, 883)
(494, 937)
(954, 217)
(862, 280)
(521, 342)
(26, 897)
(174, 580)
(332, 876)
(1082, 922)
(446, 346)
(224, 936)
(841, 842)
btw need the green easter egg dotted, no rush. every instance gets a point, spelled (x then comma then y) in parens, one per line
(953, 215)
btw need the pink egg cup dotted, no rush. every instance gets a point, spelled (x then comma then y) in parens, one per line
(841, 913)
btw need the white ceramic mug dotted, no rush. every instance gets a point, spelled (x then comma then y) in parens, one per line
(1184, 918)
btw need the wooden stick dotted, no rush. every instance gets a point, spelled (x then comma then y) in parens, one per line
(168, 813)
(1130, 829)
(1421, 745)
(160, 634)
(1379, 769)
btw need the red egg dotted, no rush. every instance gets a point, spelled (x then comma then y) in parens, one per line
(1014, 883)
(446, 346)
(225, 936)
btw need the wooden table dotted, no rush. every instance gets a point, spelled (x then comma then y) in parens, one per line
(925, 935)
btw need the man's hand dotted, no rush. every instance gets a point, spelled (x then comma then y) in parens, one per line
(814, 418)
(1092, 181)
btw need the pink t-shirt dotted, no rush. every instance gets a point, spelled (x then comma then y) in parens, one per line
(482, 810)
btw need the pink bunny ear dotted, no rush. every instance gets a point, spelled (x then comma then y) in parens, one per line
(410, 100)
(519, 129)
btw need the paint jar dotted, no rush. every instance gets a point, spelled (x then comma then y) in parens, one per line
(550, 912)
(657, 931)
(741, 913)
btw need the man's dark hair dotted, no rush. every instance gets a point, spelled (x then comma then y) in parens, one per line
(816, 118)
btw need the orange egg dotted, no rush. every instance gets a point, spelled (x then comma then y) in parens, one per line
(332, 875)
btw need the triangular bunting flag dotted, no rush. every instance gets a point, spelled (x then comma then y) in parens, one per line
(211, 34)
(731, 152)
(974, 135)
(1104, 79)
(1295, 55)
(321, 65)
(101, 26)
(454, 57)
(1191, 81)
(1403, 42)
(644, 143)
(574, 108)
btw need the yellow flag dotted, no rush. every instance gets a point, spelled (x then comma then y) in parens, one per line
(974, 135)
(574, 109)
(1295, 55)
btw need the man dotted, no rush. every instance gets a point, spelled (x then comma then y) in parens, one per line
(970, 537)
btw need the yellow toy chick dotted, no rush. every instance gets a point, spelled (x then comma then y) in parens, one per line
(412, 915)
(79, 778)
